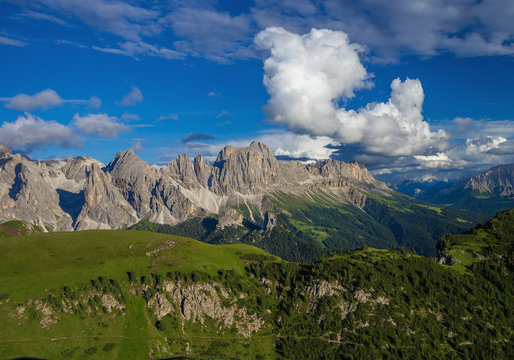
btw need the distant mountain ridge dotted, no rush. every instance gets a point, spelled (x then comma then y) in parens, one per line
(498, 180)
(82, 193)
(488, 192)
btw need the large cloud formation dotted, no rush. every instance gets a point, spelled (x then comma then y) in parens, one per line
(308, 75)
(30, 132)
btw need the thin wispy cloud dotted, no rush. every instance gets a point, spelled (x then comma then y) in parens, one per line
(130, 117)
(389, 29)
(223, 113)
(167, 117)
(228, 122)
(36, 15)
(120, 18)
(4, 40)
(140, 48)
(137, 145)
(44, 100)
(221, 37)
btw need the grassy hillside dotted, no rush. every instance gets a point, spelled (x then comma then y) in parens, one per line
(17, 228)
(53, 276)
(142, 295)
(284, 240)
(492, 241)
(317, 224)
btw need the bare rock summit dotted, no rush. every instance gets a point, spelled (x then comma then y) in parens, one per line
(82, 193)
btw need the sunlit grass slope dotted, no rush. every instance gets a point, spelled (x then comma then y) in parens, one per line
(32, 263)
(40, 266)
(490, 241)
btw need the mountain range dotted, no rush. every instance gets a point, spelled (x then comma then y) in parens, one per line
(294, 210)
(488, 192)
(82, 193)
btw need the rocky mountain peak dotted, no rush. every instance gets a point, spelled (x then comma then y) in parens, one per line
(5, 151)
(225, 153)
(339, 169)
(181, 169)
(261, 148)
(498, 179)
(246, 169)
(255, 147)
(125, 159)
(82, 193)
(205, 173)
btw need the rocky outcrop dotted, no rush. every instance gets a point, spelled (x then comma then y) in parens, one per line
(160, 305)
(82, 193)
(230, 217)
(201, 300)
(269, 221)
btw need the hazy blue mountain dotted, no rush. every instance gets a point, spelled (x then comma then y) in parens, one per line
(488, 192)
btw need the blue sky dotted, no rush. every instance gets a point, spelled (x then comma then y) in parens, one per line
(414, 89)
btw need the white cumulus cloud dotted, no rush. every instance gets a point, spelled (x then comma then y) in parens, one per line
(308, 75)
(440, 160)
(479, 145)
(284, 143)
(42, 100)
(98, 125)
(29, 132)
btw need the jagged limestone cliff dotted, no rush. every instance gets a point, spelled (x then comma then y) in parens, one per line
(82, 193)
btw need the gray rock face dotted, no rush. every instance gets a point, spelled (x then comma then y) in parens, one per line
(104, 206)
(497, 180)
(82, 193)
(246, 169)
(269, 221)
